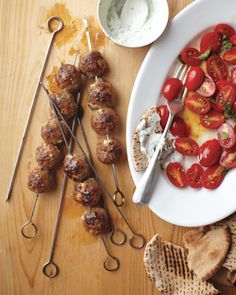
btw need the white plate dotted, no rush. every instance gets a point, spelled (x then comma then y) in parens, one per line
(185, 207)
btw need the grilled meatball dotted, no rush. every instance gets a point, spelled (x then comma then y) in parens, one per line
(96, 221)
(104, 121)
(66, 103)
(47, 156)
(39, 180)
(108, 151)
(88, 192)
(51, 132)
(93, 64)
(68, 77)
(101, 95)
(76, 167)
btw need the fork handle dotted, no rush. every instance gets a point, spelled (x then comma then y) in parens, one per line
(144, 189)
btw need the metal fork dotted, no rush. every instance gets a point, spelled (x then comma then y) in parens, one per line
(145, 187)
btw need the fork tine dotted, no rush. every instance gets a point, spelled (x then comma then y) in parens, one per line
(183, 74)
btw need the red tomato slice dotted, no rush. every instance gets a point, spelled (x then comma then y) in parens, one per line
(216, 68)
(194, 78)
(226, 136)
(233, 76)
(211, 40)
(163, 112)
(228, 158)
(190, 56)
(186, 146)
(224, 29)
(233, 39)
(214, 106)
(172, 88)
(212, 120)
(193, 175)
(197, 103)
(213, 176)
(221, 83)
(227, 94)
(208, 87)
(176, 174)
(230, 56)
(209, 153)
(179, 127)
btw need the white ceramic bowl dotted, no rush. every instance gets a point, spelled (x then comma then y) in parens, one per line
(155, 25)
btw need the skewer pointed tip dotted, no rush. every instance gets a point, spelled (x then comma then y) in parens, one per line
(85, 21)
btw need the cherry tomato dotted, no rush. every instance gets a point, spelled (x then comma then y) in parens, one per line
(194, 78)
(230, 56)
(197, 103)
(233, 76)
(226, 95)
(212, 120)
(224, 29)
(186, 146)
(234, 107)
(228, 158)
(172, 88)
(179, 127)
(226, 136)
(233, 39)
(208, 87)
(216, 68)
(221, 83)
(214, 106)
(213, 176)
(190, 56)
(176, 174)
(193, 175)
(211, 40)
(209, 153)
(163, 112)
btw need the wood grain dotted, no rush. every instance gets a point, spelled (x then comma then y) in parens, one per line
(23, 42)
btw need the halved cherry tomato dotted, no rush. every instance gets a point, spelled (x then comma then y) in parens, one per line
(179, 127)
(234, 107)
(226, 136)
(233, 39)
(197, 103)
(224, 29)
(208, 87)
(212, 120)
(216, 68)
(172, 88)
(221, 83)
(194, 78)
(213, 176)
(233, 76)
(228, 158)
(211, 40)
(227, 94)
(193, 175)
(230, 56)
(214, 106)
(186, 146)
(190, 56)
(163, 112)
(209, 153)
(176, 174)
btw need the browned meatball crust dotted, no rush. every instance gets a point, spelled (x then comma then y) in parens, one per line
(108, 151)
(104, 121)
(68, 77)
(76, 167)
(96, 221)
(51, 132)
(47, 156)
(93, 64)
(88, 192)
(39, 180)
(66, 103)
(101, 95)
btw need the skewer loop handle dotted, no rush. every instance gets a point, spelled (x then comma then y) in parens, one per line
(29, 230)
(111, 263)
(118, 237)
(137, 241)
(50, 269)
(118, 198)
(52, 20)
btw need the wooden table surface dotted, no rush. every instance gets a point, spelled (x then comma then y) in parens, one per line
(23, 42)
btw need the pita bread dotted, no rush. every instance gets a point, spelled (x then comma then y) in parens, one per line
(166, 266)
(141, 160)
(207, 250)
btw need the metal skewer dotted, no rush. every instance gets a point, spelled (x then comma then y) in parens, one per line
(136, 240)
(118, 196)
(54, 31)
